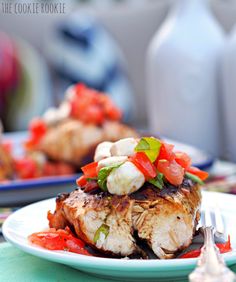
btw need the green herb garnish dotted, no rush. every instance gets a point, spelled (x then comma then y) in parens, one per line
(194, 178)
(91, 179)
(157, 181)
(103, 174)
(102, 229)
(150, 146)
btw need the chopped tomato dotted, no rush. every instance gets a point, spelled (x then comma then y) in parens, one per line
(7, 146)
(90, 170)
(26, 168)
(31, 143)
(81, 181)
(172, 171)
(94, 114)
(191, 254)
(64, 169)
(38, 127)
(49, 169)
(60, 239)
(112, 111)
(183, 159)
(223, 248)
(166, 152)
(200, 173)
(91, 106)
(142, 162)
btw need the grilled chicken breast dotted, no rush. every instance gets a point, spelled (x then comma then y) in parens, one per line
(165, 219)
(72, 141)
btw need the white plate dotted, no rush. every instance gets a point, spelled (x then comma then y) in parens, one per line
(33, 218)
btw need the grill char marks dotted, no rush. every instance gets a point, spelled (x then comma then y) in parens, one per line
(165, 219)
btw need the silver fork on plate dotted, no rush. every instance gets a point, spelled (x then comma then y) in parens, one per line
(210, 265)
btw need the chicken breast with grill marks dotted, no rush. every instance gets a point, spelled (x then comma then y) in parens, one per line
(165, 219)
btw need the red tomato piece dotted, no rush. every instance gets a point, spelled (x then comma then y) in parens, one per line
(38, 127)
(191, 254)
(31, 143)
(183, 159)
(111, 111)
(94, 114)
(90, 170)
(64, 169)
(49, 169)
(142, 162)
(166, 153)
(81, 181)
(172, 171)
(53, 239)
(223, 248)
(26, 168)
(7, 146)
(200, 173)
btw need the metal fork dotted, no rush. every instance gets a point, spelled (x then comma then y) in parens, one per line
(210, 265)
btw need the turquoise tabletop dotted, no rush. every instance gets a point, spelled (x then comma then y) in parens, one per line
(17, 266)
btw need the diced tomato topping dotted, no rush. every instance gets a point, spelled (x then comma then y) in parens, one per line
(191, 254)
(26, 168)
(166, 152)
(200, 173)
(172, 171)
(49, 169)
(91, 106)
(142, 162)
(60, 239)
(64, 169)
(31, 143)
(81, 181)
(183, 159)
(90, 170)
(7, 146)
(38, 127)
(223, 248)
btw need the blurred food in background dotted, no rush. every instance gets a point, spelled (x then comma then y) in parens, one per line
(71, 132)
(6, 159)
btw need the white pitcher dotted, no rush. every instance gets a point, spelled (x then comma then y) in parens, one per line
(229, 95)
(182, 76)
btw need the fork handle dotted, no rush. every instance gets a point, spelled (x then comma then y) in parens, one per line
(211, 266)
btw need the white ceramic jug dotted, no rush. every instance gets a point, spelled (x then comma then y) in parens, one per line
(182, 69)
(229, 95)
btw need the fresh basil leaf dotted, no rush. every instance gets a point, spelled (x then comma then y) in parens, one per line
(194, 178)
(91, 178)
(102, 229)
(150, 146)
(103, 174)
(157, 181)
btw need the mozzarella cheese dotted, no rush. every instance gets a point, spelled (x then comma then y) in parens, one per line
(102, 151)
(124, 147)
(125, 179)
(111, 161)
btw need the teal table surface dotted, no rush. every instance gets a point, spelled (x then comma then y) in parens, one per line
(17, 266)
